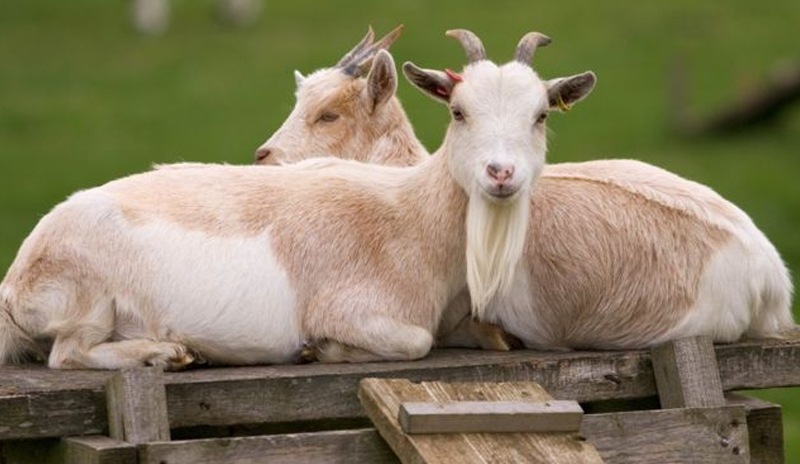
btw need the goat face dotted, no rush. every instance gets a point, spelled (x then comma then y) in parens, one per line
(340, 111)
(325, 120)
(496, 138)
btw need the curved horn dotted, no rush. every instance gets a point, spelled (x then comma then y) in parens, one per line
(360, 62)
(471, 43)
(365, 42)
(528, 45)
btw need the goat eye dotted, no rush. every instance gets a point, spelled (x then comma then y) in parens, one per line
(541, 118)
(327, 117)
(458, 115)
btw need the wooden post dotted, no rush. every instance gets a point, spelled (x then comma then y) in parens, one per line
(137, 406)
(687, 375)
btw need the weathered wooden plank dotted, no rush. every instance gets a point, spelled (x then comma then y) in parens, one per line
(340, 446)
(490, 416)
(51, 414)
(692, 435)
(382, 398)
(97, 449)
(251, 395)
(137, 406)
(759, 364)
(765, 428)
(39, 402)
(686, 374)
(42, 451)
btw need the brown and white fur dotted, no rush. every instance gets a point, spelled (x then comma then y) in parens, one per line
(620, 254)
(243, 264)
(338, 112)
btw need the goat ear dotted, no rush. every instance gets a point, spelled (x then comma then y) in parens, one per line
(564, 92)
(382, 79)
(298, 78)
(434, 83)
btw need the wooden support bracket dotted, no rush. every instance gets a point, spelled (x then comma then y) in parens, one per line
(137, 406)
(687, 375)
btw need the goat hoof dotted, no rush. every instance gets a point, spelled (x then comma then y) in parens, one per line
(306, 355)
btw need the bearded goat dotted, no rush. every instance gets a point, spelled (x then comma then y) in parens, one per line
(243, 264)
(620, 254)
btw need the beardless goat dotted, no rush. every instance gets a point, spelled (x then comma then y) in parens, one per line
(620, 254)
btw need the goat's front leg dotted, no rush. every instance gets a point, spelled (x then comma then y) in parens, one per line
(374, 337)
(458, 330)
(71, 353)
(470, 333)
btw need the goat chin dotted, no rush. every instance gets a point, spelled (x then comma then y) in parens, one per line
(496, 236)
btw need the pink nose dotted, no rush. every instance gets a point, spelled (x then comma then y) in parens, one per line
(500, 173)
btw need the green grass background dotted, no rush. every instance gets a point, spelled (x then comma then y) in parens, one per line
(83, 99)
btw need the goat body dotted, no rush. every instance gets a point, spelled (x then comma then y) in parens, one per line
(619, 254)
(241, 265)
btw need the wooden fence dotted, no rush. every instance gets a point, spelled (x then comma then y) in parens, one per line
(312, 413)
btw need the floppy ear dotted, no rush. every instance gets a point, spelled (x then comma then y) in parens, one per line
(382, 79)
(563, 92)
(298, 78)
(436, 84)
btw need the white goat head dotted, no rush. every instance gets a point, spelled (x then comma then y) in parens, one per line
(339, 111)
(496, 143)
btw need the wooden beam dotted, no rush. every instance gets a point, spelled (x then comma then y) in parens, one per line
(765, 427)
(97, 449)
(339, 446)
(695, 435)
(687, 375)
(490, 416)
(382, 398)
(38, 402)
(137, 406)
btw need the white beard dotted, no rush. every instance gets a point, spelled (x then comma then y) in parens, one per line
(496, 236)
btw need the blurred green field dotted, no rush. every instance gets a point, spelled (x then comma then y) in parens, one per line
(84, 99)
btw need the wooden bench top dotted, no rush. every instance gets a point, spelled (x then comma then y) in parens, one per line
(38, 402)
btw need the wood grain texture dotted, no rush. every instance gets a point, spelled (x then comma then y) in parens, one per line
(137, 406)
(39, 402)
(695, 435)
(97, 449)
(765, 428)
(382, 398)
(341, 446)
(490, 416)
(686, 374)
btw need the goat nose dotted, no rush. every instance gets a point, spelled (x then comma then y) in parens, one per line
(500, 173)
(262, 153)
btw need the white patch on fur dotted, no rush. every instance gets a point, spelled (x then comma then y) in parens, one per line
(241, 313)
(496, 236)
(740, 292)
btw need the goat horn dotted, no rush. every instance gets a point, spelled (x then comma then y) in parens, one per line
(360, 63)
(471, 43)
(365, 42)
(387, 40)
(528, 45)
